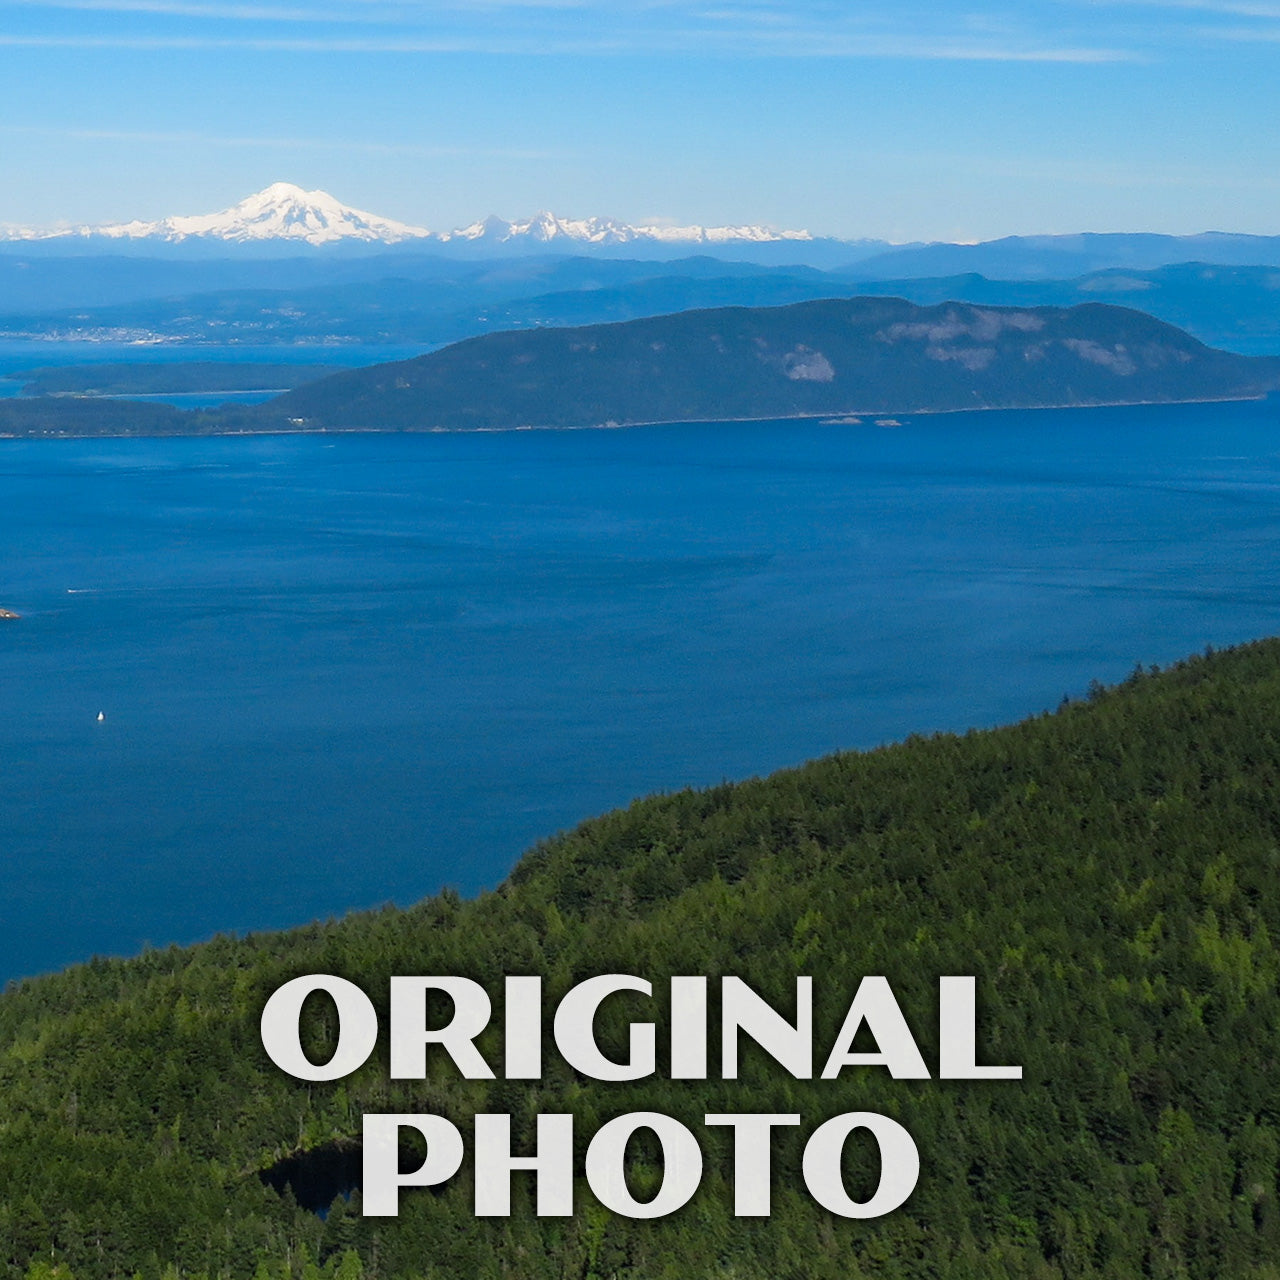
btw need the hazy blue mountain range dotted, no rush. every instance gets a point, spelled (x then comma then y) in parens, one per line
(286, 219)
(43, 283)
(432, 311)
(1236, 307)
(38, 282)
(299, 298)
(1055, 257)
(433, 301)
(310, 237)
(1233, 307)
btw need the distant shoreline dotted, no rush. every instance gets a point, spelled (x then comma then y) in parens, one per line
(834, 419)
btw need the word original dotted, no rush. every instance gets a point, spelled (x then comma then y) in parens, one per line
(414, 1039)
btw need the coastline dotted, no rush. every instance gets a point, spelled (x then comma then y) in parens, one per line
(836, 418)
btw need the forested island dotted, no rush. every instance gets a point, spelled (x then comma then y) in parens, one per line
(1107, 871)
(832, 357)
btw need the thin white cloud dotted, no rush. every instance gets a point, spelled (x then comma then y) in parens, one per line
(807, 44)
(749, 17)
(1244, 35)
(1228, 8)
(287, 144)
(357, 11)
(177, 8)
(797, 46)
(283, 45)
(812, 29)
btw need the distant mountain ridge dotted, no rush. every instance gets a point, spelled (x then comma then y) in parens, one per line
(428, 298)
(287, 213)
(546, 228)
(1062, 256)
(284, 218)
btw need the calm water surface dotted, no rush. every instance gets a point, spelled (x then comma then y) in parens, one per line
(338, 671)
(20, 356)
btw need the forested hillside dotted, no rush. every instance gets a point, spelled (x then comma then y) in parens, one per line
(833, 356)
(1109, 872)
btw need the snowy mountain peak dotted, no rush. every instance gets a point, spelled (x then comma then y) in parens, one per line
(547, 228)
(281, 211)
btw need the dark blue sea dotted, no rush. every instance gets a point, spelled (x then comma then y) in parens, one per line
(343, 670)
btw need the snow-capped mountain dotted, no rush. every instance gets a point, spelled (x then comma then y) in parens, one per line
(280, 212)
(546, 228)
(283, 212)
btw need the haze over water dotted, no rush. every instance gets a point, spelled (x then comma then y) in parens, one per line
(342, 670)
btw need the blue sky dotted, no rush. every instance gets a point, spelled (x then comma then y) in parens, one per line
(902, 121)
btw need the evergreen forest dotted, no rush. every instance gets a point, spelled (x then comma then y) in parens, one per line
(1110, 872)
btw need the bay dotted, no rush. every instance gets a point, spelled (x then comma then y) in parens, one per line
(337, 671)
(18, 356)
